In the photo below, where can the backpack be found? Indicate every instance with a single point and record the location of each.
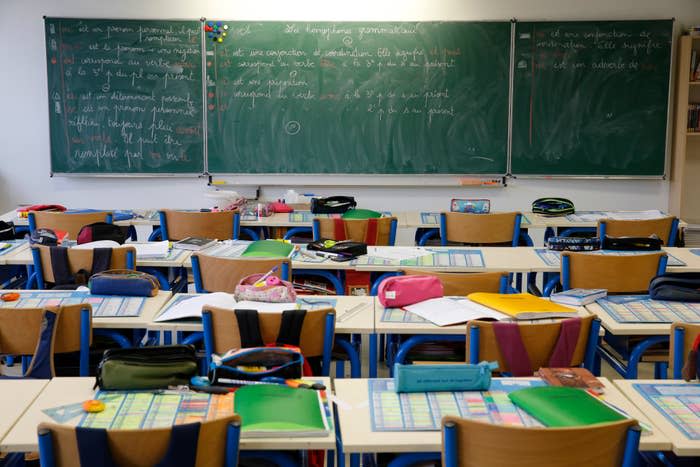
(684, 287)
(64, 280)
(332, 204)
(101, 231)
(45, 237)
(7, 230)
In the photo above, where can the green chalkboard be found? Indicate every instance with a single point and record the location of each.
(365, 98)
(591, 98)
(125, 96)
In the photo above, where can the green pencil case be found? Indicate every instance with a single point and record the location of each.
(437, 378)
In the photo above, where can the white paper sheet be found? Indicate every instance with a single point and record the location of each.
(192, 307)
(635, 215)
(445, 311)
(397, 253)
(265, 307)
(151, 249)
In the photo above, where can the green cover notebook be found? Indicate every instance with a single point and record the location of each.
(562, 406)
(268, 249)
(276, 410)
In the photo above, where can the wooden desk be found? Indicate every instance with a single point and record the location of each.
(352, 396)
(16, 395)
(681, 444)
(63, 391)
(143, 321)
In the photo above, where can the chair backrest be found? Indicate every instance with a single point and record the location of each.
(480, 229)
(71, 223)
(681, 341)
(123, 257)
(20, 330)
(176, 225)
(457, 283)
(215, 274)
(665, 228)
(616, 273)
(474, 443)
(539, 341)
(357, 230)
(216, 444)
(226, 334)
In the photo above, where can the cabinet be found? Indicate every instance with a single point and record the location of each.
(684, 199)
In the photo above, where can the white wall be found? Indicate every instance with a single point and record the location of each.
(24, 135)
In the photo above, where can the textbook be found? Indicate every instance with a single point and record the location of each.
(193, 243)
(558, 406)
(280, 410)
(574, 377)
(578, 297)
(522, 305)
(268, 249)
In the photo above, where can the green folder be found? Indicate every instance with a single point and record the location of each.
(268, 249)
(278, 410)
(563, 406)
(361, 214)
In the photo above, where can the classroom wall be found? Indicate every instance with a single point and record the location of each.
(24, 135)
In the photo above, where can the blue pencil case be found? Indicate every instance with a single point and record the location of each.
(124, 282)
(436, 378)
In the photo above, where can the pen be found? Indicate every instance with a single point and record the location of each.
(265, 276)
(351, 312)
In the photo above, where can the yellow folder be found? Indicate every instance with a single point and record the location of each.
(522, 305)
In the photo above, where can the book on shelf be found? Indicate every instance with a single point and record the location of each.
(522, 305)
(578, 297)
(269, 410)
(575, 377)
(194, 243)
(558, 406)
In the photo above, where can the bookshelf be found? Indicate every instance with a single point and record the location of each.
(684, 197)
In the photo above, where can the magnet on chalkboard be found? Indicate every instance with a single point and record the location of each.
(224, 34)
(225, 26)
(218, 23)
(210, 23)
(220, 39)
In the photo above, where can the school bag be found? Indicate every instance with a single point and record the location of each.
(64, 280)
(101, 231)
(7, 230)
(553, 207)
(332, 204)
(684, 287)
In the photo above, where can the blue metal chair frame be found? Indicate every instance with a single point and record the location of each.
(316, 231)
(39, 274)
(443, 232)
(236, 227)
(31, 219)
(197, 273)
(233, 436)
(328, 331)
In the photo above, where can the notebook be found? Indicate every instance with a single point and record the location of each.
(268, 249)
(279, 410)
(571, 377)
(522, 305)
(558, 406)
(445, 311)
(193, 243)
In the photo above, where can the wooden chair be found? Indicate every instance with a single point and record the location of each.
(453, 284)
(176, 225)
(681, 342)
(666, 228)
(209, 443)
(41, 332)
(221, 332)
(122, 258)
(619, 274)
(494, 229)
(214, 274)
(539, 341)
(468, 443)
(71, 223)
(357, 230)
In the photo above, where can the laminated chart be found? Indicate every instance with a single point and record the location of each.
(103, 306)
(437, 258)
(397, 315)
(642, 309)
(553, 258)
(423, 411)
(12, 245)
(129, 410)
(679, 404)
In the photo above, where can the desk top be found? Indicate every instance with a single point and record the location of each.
(627, 329)
(353, 314)
(63, 391)
(16, 395)
(144, 321)
(352, 400)
(682, 445)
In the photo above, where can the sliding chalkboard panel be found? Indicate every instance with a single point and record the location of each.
(125, 96)
(591, 98)
(390, 98)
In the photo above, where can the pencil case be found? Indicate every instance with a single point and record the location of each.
(400, 291)
(256, 363)
(473, 206)
(124, 282)
(277, 291)
(156, 367)
(436, 378)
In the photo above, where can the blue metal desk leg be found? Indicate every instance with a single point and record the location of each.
(373, 355)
